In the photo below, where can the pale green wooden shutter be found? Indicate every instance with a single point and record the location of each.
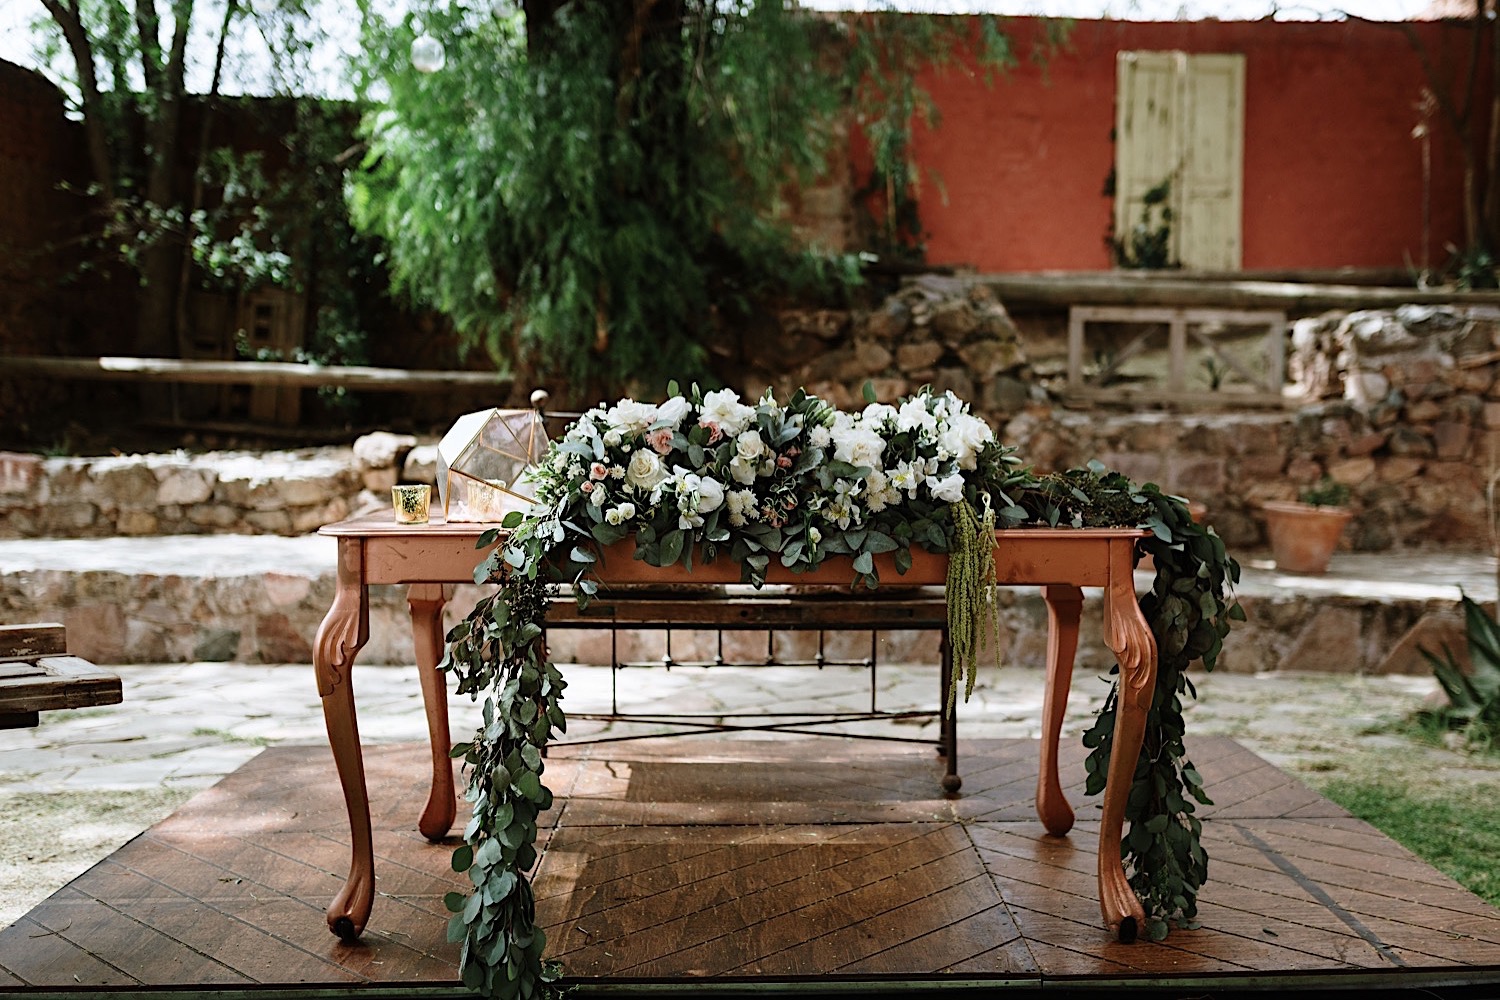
(1181, 117)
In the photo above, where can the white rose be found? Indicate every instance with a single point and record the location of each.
(949, 489)
(631, 418)
(723, 409)
(749, 446)
(913, 415)
(858, 446)
(876, 414)
(672, 411)
(964, 437)
(645, 470)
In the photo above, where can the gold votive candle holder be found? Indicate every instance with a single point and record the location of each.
(411, 503)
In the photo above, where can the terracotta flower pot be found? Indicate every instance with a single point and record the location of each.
(1302, 536)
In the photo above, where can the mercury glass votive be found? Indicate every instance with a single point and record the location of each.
(411, 503)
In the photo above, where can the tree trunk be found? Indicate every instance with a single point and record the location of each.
(156, 334)
(94, 127)
(1492, 160)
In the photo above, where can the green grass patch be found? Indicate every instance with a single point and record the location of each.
(228, 737)
(1454, 827)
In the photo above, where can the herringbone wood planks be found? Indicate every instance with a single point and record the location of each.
(766, 860)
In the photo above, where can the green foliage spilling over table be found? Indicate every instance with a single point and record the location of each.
(704, 476)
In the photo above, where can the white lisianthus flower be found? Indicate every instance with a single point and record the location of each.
(672, 411)
(858, 446)
(696, 495)
(965, 436)
(710, 494)
(750, 454)
(620, 514)
(612, 439)
(819, 437)
(814, 536)
(914, 415)
(631, 418)
(723, 409)
(597, 497)
(907, 476)
(948, 489)
(840, 508)
(645, 471)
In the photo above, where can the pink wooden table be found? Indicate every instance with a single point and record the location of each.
(375, 550)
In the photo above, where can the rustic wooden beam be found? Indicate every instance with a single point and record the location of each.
(27, 642)
(262, 373)
(1142, 289)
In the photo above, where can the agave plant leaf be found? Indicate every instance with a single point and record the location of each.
(1484, 649)
(1462, 695)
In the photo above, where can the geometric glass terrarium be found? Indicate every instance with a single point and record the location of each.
(481, 460)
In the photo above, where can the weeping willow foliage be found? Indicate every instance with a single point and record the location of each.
(592, 190)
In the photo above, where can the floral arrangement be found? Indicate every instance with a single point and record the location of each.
(801, 482)
(702, 476)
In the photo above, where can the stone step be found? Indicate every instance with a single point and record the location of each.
(259, 598)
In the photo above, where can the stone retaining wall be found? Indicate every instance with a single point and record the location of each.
(137, 617)
(1404, 409)
(279, 493)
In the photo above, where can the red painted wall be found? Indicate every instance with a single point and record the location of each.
(1332, 176)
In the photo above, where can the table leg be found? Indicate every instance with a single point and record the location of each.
(426, 601)
(344, 630)
(1129, 636)
(1064, 608)
(948, 736)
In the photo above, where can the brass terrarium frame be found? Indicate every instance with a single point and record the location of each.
(482, 460)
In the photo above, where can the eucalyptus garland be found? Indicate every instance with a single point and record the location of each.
(499, 651)
(704, 475)
(1189, 609)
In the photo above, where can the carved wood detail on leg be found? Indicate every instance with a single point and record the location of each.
(1064, 608)
(1127, 633)
(426, 601)
(341, 635)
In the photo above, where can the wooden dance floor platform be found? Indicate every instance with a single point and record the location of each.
(710, 865)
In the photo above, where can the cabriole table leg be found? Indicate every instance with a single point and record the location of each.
(426, 601)
(1064, 608)
(1128, 635)
(344, 630)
